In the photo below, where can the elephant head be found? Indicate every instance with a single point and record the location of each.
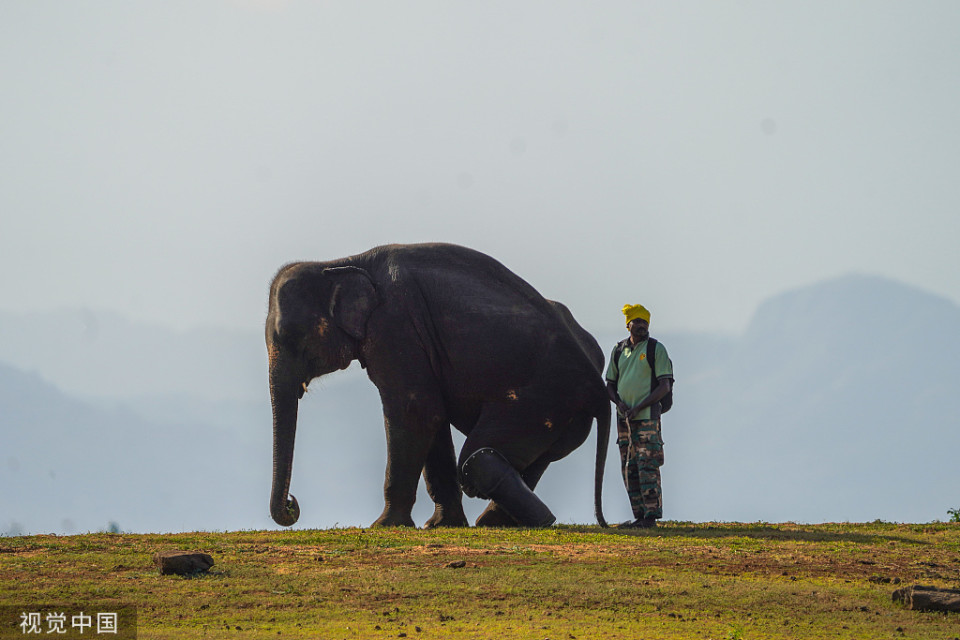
(315, 325)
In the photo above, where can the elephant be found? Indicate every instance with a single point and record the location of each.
(449, 336)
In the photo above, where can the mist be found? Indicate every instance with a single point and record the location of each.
(775, 182)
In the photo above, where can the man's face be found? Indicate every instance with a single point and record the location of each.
(639, 329)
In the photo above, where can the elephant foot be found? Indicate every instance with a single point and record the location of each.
(494, 516)
(447, 517)
(393, 519)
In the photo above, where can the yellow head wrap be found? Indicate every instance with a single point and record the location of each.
(635, 311)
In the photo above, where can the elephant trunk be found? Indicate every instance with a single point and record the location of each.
(283, 507)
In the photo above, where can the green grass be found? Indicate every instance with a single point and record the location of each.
(721, 581)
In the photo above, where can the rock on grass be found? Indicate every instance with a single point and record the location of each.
(182, 563)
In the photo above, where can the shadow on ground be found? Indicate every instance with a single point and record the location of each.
(756, 531)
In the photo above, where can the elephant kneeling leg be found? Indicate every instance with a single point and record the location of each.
(495, 516)
(487, 474)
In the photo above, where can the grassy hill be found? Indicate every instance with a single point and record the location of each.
(721, 581)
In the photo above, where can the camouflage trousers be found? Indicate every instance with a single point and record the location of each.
(641, 456)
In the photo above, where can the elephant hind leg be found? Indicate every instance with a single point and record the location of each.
(488, 474)
(524, 434)
(495, 516)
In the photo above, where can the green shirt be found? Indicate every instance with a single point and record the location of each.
(633, 373)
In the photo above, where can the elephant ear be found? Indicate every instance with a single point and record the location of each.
(353, 298)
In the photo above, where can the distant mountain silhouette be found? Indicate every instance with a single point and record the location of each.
(67, 466)
(99, 354)
(838, 403)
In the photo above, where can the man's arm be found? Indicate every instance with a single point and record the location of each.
(663, 388)
(615, 397)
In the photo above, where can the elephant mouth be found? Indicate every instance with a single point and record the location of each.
(320, 367)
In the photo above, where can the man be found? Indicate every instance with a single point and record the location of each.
(637, 390)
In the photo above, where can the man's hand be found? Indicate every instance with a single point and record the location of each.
(653, 399)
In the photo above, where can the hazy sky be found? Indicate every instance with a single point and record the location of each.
(163, 159)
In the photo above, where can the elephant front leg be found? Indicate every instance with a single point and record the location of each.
(440, 476)
(408, 441)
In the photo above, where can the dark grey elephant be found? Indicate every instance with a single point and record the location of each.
(450, 337)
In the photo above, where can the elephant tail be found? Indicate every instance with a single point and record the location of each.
(603, 440)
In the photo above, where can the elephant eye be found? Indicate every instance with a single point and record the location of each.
(288, 335)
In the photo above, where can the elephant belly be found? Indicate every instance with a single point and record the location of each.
(528, 431)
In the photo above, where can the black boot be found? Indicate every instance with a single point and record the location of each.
(640, 523)
(487, 474)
